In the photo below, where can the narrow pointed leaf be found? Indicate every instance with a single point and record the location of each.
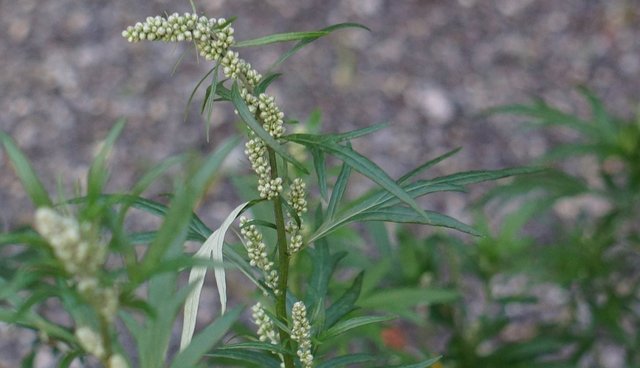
(372, 201)
(400, 214)
(319, 165)
(362, 165)
(281, 37)
(266, 82)
(98, 172)
(346, 303)
(344, 326)
(424, 364)
(298, 46)
(36, 191)
(338, 190)
(413, 173)
(346, 361)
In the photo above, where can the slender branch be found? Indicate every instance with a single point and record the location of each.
(283, 263)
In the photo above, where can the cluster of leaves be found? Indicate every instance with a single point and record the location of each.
(590, 260)
(145, 266)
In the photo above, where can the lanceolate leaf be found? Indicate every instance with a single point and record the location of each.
(406, 215)
(424, 364)
(346, 361)
(281, 37)
(319, 165)
(410, 175)
(266, 82)
(338, 190)
(212, 248)
(25, 172)
(360, 164)
(98, 172)
(344, 326)
(250, 120)
(369, 202)
(307, 41)
(346, 303)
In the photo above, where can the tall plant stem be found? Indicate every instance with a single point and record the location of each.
(283, 262)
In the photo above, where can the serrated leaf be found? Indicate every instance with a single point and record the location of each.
(321, 173)
(424, 364)
(266, 360)
(338, 190)
(250, 120)
(298, 46)
(401, 214)
(212, 248)
(32, 185)
(346, 303)
(427, 165)
(98, 172)
(359, 163)
(346, 360)
(344, 326)
(281, 37)
(372, 201)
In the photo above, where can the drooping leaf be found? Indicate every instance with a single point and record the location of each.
(212, 248)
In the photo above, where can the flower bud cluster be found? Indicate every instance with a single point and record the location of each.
(236, 68)
(212, 37)
(301, 333)
(257, 252)
(297, 201)
(117, 361)
(270, 115)
(266, 328)
(82, 255)
(296, 240)
(68, 240)
(105, 299)
(297, 193)
(256, 151)
(91, 341)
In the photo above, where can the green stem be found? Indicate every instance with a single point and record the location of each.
(283, 263)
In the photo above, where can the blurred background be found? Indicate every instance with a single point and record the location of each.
(428, 67)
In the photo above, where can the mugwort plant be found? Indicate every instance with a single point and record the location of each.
(113, 281)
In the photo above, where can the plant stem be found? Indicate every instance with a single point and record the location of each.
(283, 262)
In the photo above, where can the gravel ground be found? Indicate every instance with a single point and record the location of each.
(428, 68)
